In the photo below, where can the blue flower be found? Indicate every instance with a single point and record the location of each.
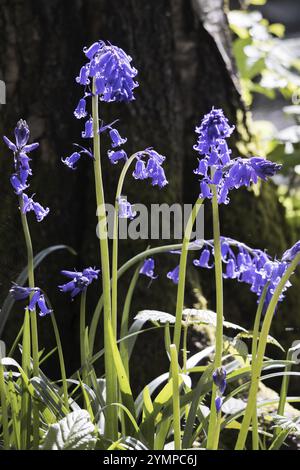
(71, 161)
(79, 280)
(116, 155)
(290, 254)
(88, 132)
(219, 378)
(215, 166)
(174, 275)
(148, 268)
(37, 298)
(116, 139)
(28, 204)
(204, 259)
(111, 67)
(125, 209)
(80, 111)
(212, 131)
(19, 179)
(151, 169)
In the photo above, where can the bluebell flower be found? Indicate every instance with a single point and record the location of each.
(219, 378)
(149, 165)
(71, 161)
(36, 296)
(215, 166)
(203, 261)
(19, 179)
(218, 403)
(111, 67)
(251, 266)
(125, 209)
(28, 204)
(148, 268)
(174, 275)
(79, 280)
(213, 130)
(290, 254)
(88, 132)
(116, 139)
(80, 111)
(117, 155)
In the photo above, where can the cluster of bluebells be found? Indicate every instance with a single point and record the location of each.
(254, 267)
(110, 68)
(36, 298)
(80, 280)
(219, 378)
(215, 166)
(22, 170)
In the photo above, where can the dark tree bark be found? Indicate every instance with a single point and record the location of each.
(182, 51)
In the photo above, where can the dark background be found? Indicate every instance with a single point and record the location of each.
(182, 50)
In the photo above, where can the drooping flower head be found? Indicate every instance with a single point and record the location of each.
(148, 268)
(251, 266)
(80, 280)
(215, 166)
(37, 298)
(22, 170)
(149, 165)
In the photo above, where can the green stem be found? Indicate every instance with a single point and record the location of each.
(25, 417)
(175, 397)
(182, 272)
(125, 321)
(82, 329)
(61, 361)
(4, 410)
(214, 421)
(114, 284)
(111, 422)
(33, 322)
(263, 337)
(255, 438)
(284, 390)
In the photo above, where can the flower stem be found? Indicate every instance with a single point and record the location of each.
(111, 422)
(255, 440)
(82, 334)
(176, 398)
(4, 411)
(182, 272)
(33, 321)
(114, 284)
(214, 418)
(256, 371)
(61, 361)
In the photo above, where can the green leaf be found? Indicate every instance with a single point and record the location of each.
(155, 316)
(207, 317)
(22, 278)
(270, 339)
(74, 432)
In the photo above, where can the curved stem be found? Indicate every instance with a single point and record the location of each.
(111, 422)
(82, 329)
(214, 417)
(182, 272)
(114, 283)
(33, 320)
(263, 337)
